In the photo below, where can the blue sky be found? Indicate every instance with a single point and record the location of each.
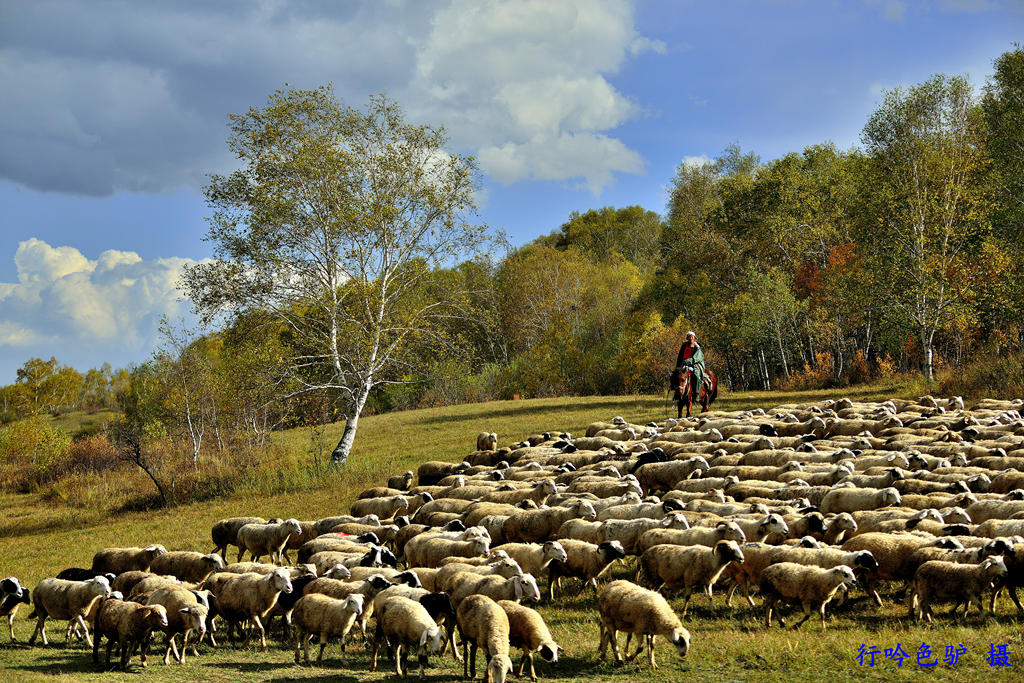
(115, 111)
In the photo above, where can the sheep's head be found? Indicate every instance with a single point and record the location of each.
(526, 587)
(99, 585)
(280, 579)
(888, 496)
(195, 617)
(993, 568)
(554, 552)
(11, 586)
(215, 560)
(156, 616)
(773, 524)
(808, 542)
(611, 551)
(354, 603)
(507, 568)
(430, 640)
(675, 520)
(863, 559)
(338, 571)
(844, 575)
(730, 531)
(681, 639)
(498, 668)
(155, 551)
(549, 651)
(728, 551)
(292, 525)
(584, 510)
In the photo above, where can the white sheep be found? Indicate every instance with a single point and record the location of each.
(584, 561)
(517, 588)
(937, 580)
(385, 507)
(625, 606)
(807, 586)
(326, 617)
(534, 558)
(688, 567)
(187, 565)
(426, 551)
(250, 596)
(854, 499)
(266, 539)
(532, 526)
(66, 600)
(528, 632)
(405, 624)
(185, 614)
(129, 624)
(486, 441)
(118, 560)
(724, 530)
(484, 624)
(225, 532)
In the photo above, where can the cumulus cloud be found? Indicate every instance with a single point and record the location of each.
(113, 303)
(113, 95)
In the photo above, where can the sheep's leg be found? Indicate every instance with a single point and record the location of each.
(1013, 596)
(613, 640)
(807, 615)
(650, 651)
(324, 639)
(184, 646)
(472, 660)
(422, 659)
(10, 625)
(769, 605)
(711, 597)
(123, 650)
(398, 659)
(374, 646)
(167, 649)
(639, 648)
(746, 593)
(96, 649)
(80, 620)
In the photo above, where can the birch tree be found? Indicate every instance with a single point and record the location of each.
(334, 226)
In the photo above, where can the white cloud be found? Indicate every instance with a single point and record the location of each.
(696, 161)
(108, 95)
(113, 303)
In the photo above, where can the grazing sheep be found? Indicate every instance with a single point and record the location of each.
(130, 624)
(584, 561)
(405, 624)
(625, 606)
(854, 499)
(533, 526)
(487, 441)
(688, 567)
(250, 596)
(700, 535)
(323, 526)
(187, 565)
(517, 588)
(527, 630)
(937, 580)
(13, 595)
(484, 624)
(402, 482)
(385, 507)
(426, 551)
(225, 532)
(66, 600)
(503, 568)
(266, 539)
(326, 617)
(117, 560)
(798, 584)
(185, 614)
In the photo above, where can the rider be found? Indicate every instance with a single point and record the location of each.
(691, 357)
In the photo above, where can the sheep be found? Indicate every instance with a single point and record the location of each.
(798, 584)
(515, 588)
(533, 558)
(527, 630)
(251, 596)
(708, 536)
(70, 600)
(484, 624)
(117, 560)
(323, 526)
(893, 553)
(405, 623)
(582, 530)
(655, 510)
(854, 499)
(187, 565)
(384, 508)
(937, 580)
(342, 589)
(402, 482)
(338, 543)
(662, 475)
(532, 526)
(487, 441)
(628, 531)
(584, 561)
(12, 596)
(439, 606)
(185, 614)
(130, 623)
(327, 617)
(266, 539)
(687, 567)
(537, 493)
(294, 571)
(426, 551)
(225, 532)
(433, 471)
(503, 568)
(624, 606)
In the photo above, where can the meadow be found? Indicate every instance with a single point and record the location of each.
(40, 535)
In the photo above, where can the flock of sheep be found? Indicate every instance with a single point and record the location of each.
(803, 503)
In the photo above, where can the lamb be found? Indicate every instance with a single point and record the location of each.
(528, 631)
(799, 584)
(70, 600)
(12, 596)
(327, 617)
(185, 614)
(487, 441)
(937, 580)
(624, 606)
(266, 539)
(426, 551)
(854, 499)
(688, 567)
(251, 596)
(484, 624)
(187, 565)
(402, 482)
(384, 508)
(130, 623)
(117, 560)
(515, 588)
(532, 526)
(709, 536)
(225, 532)
(405, 623)
(533, 558)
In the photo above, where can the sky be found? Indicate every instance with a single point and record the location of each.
(116, 111)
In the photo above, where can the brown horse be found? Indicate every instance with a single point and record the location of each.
(687, 391)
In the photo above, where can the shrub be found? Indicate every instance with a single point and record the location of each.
(32, 452)
(994, 376)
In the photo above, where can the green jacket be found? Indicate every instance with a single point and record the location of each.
(694, 362)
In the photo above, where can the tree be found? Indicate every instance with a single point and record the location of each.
(1003, 106)
(334, 226)
(926, 156)
(46, 385)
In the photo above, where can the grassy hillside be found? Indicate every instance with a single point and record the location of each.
(41, 537)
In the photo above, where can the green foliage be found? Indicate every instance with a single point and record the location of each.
(32, 452)
(1003, 110)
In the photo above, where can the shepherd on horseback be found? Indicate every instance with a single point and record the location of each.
(691, 379)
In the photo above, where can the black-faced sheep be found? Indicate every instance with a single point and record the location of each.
(584, 561)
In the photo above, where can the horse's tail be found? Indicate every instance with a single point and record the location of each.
(714, 388)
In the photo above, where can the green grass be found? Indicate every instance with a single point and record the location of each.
(38, 538)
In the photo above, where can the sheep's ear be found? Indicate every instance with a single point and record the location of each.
(423, 637)
(185, 610)
(518, 583)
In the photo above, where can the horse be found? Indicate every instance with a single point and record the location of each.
(687, 391)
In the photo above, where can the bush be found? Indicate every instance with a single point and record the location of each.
(32, 453)
(994, 377)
